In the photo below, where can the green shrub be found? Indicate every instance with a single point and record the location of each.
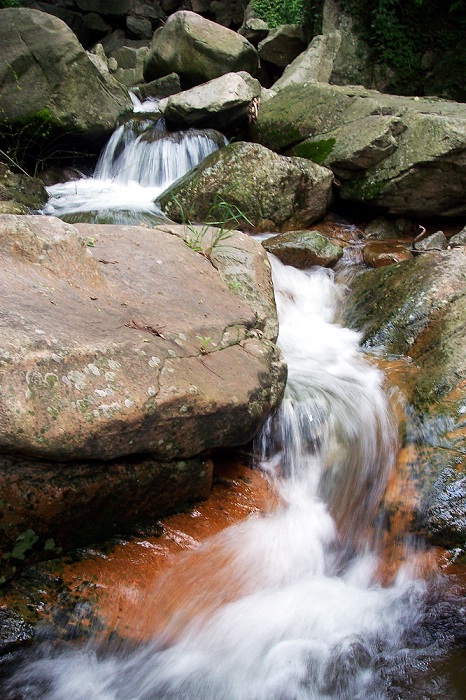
(276, 12)
(401, 32)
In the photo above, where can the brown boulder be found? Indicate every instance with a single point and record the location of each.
(130, 344)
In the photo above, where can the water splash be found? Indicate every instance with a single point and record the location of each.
(140, 161)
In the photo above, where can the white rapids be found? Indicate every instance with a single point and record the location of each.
(139, 162)
(309, 618)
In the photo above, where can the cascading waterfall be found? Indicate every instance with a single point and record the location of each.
(287, 605)
(138, 163)
(290, 604)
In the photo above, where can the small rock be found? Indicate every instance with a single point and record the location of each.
(381, 253)
(303, 249)
(458, 238)
(436, 241)
(381, 229)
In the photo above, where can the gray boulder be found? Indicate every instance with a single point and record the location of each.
(459, 238)
(48, 81)
(315, 63)
(436, 241)
(157, 89)
(282, 45)
(353, 63)
(271, 192)
(404, 155)
(221, 103)
(198, 50)
(130, 64)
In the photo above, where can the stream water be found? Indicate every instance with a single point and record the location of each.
(292, 604)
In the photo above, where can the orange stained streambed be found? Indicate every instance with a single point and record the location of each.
(158, 585)
(127, 585)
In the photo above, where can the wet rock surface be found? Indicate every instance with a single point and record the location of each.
(416, 309)
(304, 249)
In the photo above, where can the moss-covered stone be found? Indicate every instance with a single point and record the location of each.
(303, 249)
(317, 151)
(417, 309)
(269, 192)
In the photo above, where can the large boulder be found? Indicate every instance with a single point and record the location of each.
(48, 84)
(198, 50)
(315, 63)
(269, 192)
(123, 354)
(417, 309)
(405, 155)
(222, 103)
(353, 63)
(135, 347)
(282, 45)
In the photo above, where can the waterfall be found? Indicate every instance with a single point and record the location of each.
(287, 605)
(140, 161)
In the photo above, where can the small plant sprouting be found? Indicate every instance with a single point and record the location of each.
(90, 242)
(219, 224)
(235, 284)
(205, 340)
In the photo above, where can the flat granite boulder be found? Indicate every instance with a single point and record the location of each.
(120, 340)
(404, 155)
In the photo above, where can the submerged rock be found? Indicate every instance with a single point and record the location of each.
(270, 192)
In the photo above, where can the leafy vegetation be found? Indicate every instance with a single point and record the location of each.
(419, 42)
(276, 12)
(10, 3)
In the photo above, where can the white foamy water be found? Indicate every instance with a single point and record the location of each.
(139, 162)
(306, 617)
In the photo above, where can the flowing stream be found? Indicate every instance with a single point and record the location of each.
(292, 604)
(138, 163)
